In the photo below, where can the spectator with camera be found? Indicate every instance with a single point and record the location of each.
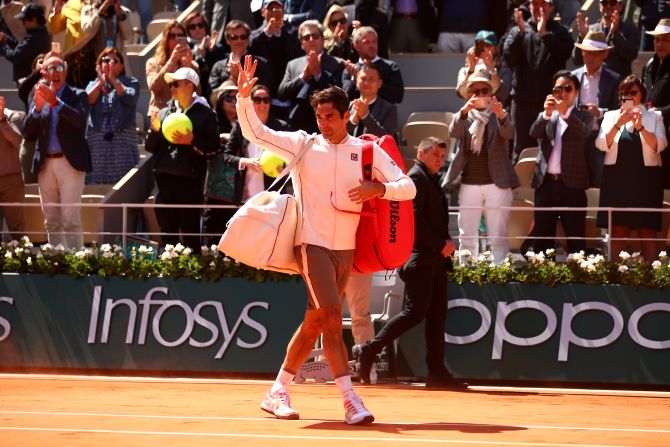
(484, 56)
(172, 53)
(484, 130)
(632, 139)
(562, 175)
(205, 47)
(111, 128)
(337, 35)
(36, 41)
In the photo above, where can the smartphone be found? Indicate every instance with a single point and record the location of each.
(627, 105)
(55, 47)
(182, 40)
(479, 48)
(483, 103)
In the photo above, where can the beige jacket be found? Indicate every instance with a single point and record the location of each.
(652, 121)
(10, 139)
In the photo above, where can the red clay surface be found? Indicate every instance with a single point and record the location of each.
(55, 411)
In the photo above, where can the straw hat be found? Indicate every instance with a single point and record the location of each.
(481, 75)
(226, 86)
(594, 41)
(663, 27)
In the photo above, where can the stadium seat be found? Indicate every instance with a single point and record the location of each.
(592, 200)
(165, 15)
(155, 28)
(524, 194)
(525, 169)
(441, 117)
(529, 152)
(415, 131)
(520, 224)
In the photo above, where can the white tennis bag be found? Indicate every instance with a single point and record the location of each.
(261, 234)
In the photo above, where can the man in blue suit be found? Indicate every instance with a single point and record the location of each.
(598, 93)
(57, 120)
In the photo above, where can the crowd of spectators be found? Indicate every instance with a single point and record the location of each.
(81, 102)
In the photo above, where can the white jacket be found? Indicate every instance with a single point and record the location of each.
(323, 178)
(652, 121)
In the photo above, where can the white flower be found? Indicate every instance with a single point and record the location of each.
(59, 248)
(465, 253)
(599, 259)
(166, 255)
(25, 240)
(204, 249)
(18, 251)
(143, 250)
(636, 254)
(530, 254)
(80, 254)
(121, 255)
(656, 265)
(584, 264)
(29, 261)
(169, 248)
(624, 255)
(104, 248)
(214, 248)
(178, 248)
(28, 244)
(9, 255)
(212, 264)
(481, 258)
(39, 256)
(622, 269)
(187, 251)
(591, 268)
(662, 255)
(550, 251)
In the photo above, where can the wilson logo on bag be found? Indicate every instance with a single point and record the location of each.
(385, 234)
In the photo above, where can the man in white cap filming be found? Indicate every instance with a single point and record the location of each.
(181, 155)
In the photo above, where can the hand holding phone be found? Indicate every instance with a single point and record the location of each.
(627, 104)
(483, 102)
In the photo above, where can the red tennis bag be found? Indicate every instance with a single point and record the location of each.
(385, 234)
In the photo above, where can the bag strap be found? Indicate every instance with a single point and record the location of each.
(294, 161)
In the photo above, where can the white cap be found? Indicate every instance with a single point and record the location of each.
(183, 74)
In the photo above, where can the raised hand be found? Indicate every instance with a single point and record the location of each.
(518, 18)
(549, 105)
(246, 79)
(542, 23)
(616, 19)
(582, 24)
(497, 108)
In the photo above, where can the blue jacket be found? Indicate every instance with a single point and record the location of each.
(122, 114)
(71, 131)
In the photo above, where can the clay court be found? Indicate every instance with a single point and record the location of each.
(55, 411)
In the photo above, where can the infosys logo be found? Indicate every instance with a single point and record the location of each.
(152, 310)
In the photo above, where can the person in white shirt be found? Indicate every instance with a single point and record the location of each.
(328, 184)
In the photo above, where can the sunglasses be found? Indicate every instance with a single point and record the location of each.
(195, 26)
(310, 36)
(107, 60)
(58, 68)
(175, 35)
(562, 88)
(335, 22)
(174, 84)
(230, 98)
(261, 99)
(235, 37)
(481, 91)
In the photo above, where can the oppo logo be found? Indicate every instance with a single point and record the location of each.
(219, 329)
(567, 337)
(5, 326)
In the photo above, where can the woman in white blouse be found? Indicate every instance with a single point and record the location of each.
(632, 138)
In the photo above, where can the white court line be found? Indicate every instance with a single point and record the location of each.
(640, 393)
(319, 438)
(271, 420)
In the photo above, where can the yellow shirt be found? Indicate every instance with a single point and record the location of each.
(69, 20)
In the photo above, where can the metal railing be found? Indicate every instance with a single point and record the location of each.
(125, 209)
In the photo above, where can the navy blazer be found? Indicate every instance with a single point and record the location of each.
(574, 169)
(71, 131)
(382, 120)
(608, 88)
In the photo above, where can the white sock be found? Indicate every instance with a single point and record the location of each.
(344, 385)
(283, 380)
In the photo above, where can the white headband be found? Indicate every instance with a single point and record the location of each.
(595, 43)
